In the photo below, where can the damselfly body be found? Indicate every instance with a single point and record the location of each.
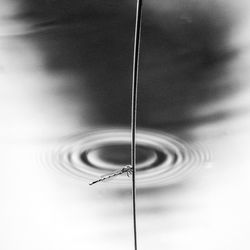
(127, 169)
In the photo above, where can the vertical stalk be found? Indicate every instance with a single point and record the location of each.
(134, 109)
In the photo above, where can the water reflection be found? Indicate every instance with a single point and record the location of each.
(184, 64)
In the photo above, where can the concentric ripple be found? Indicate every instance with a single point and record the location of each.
(161, 158)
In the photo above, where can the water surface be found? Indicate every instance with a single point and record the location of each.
(65, 114)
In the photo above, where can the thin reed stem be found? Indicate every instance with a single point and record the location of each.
(134, 110)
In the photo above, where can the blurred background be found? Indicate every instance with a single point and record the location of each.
(66, 72)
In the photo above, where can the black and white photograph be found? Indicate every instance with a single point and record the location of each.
(124, 125)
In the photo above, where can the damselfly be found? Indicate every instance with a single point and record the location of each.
(127, 169)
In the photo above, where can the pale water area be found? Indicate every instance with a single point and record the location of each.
(65, 82)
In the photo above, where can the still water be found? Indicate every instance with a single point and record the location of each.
(65, 83)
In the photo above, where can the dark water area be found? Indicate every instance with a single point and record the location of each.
(184, 64)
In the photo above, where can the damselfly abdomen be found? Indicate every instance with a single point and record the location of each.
(127, 169)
